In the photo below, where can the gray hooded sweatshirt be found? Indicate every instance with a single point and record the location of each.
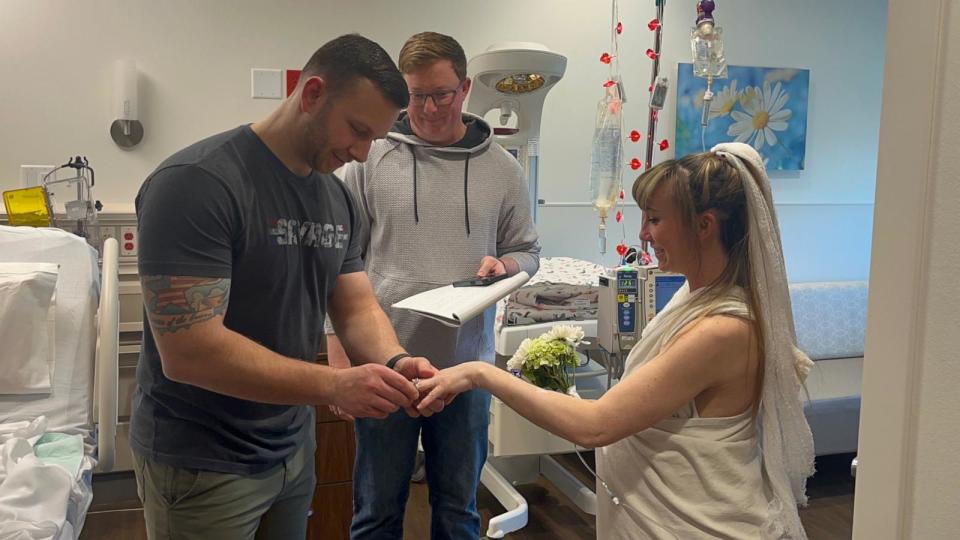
(429, 215)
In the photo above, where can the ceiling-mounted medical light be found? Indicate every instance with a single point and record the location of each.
(514, 78)
(520, 83)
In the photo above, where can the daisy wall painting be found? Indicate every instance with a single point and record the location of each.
(763, 107)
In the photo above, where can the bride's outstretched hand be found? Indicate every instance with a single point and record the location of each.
(444, 386)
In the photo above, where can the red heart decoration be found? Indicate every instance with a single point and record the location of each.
(635, 164)
(619, 216)
(619, 27)
(635, 135)
(608, 84)
(651, 54)
(664, 145)
(605, 58)
(621, 249)
(621, 194)
(653, 24)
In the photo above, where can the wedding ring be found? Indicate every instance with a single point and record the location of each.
(416, 383)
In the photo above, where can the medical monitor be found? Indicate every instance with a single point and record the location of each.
(658, 288)
(618, 320)
(629, 298)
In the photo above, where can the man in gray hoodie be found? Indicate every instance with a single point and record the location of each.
(439, 201)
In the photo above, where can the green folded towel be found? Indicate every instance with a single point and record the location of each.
(61, 449)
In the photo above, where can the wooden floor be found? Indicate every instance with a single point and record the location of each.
(552, 516)
(829, 515)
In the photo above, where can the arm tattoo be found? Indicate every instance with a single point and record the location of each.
(178, 302)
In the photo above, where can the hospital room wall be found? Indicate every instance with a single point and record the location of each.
(825, 210)
(908, 479)
(195, 59)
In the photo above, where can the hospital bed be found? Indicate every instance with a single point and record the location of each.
(46, 489)
(564, 291)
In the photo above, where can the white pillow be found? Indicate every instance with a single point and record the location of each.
(27, 331)
(69, 406)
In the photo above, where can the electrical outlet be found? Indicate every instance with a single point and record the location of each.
(108, 232)
(128, 241)
(266, 84)
(30, 175)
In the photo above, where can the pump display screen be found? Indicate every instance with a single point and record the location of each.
(666, 287)
(627, 283)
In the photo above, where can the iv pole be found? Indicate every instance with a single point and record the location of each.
(652, 121)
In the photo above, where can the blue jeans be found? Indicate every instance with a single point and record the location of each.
(455, 448)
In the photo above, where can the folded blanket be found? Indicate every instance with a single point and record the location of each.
(557, 288)
(546, 302)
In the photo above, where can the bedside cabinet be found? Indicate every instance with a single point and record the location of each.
(332, 507)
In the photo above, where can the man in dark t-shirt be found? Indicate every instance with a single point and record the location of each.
(246, 243)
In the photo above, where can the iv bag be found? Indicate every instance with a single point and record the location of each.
(606, 158)
(706, 43)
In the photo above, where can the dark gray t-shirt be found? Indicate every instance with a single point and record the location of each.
(227, 207)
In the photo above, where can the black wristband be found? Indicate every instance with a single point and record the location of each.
(391, 363)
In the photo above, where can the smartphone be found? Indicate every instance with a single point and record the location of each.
(479, 281)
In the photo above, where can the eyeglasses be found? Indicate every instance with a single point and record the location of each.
(441, 98)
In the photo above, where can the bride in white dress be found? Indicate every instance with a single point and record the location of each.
(704, 436)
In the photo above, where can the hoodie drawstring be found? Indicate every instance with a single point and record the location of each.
(466, 202)
(416, 213)
(466, 198)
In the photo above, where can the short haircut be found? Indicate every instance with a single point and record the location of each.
(341, 61)
(428, 47)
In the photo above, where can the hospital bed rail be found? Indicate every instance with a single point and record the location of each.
(107, 357)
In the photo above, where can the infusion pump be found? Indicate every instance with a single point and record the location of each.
(630, 296)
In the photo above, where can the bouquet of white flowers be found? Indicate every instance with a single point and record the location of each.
(543, 360)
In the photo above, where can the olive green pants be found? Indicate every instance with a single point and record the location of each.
(190, 504)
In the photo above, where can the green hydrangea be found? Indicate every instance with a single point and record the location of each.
(546, 361)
